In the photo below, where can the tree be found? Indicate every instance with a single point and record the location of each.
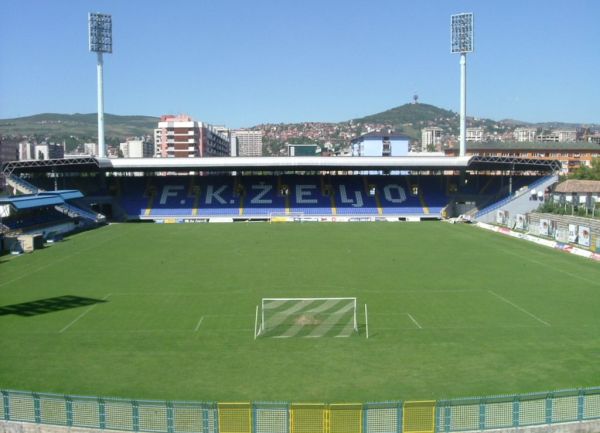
(588, 173)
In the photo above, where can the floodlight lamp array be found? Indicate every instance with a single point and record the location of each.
(462, 33)
(100, 26)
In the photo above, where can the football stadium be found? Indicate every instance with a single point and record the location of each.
(203, 292)
(313, 295)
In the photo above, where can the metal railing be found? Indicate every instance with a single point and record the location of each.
(443, 416)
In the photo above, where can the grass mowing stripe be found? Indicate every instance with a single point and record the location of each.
(519, 308)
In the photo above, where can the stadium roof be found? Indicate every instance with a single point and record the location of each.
(65, 194)
(419, 162)
(23, 202)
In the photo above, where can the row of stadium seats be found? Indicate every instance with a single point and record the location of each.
(261, 196)
(35, 218)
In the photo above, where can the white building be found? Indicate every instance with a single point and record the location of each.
(383, 143)
(26, 151)
(136, 149)
(90, 149)
(182, 137)
(249, 143)
(524, 134)
(566, 135)
(431, 137)
(475, 134)
(559, 136)
(49, 151)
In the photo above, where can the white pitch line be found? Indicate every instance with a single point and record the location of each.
(414, 321)
(199, 323)
(81, 315)
(519, 308)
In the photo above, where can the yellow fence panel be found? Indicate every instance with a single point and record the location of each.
(235, 418)
(308, 418)
(418, 417)
(345, 418)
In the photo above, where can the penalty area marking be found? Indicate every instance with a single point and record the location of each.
(199, 323)
(81, 315)
(414, 321)
(519, 308)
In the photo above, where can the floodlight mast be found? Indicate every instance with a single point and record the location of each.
(461, 26)
(100, 28)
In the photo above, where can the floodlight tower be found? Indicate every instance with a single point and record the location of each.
(100, 26)
(462, 42)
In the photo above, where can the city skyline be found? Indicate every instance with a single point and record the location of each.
(240, 65)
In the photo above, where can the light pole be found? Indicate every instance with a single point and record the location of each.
(461, 26)
(100, 26)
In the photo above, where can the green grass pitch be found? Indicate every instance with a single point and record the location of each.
(167, 312)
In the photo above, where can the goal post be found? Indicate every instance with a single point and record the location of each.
(307, 317)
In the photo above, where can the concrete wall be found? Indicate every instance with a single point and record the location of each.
(574, 427)
(562, 224)
(26, 427)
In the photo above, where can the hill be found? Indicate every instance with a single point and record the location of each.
(410, 114)
(80, 125)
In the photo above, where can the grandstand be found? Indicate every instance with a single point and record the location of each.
(314, 188)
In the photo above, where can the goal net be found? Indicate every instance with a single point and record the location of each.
(283, 217)
(306, 317)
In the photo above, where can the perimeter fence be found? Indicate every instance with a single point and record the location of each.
(458, 415)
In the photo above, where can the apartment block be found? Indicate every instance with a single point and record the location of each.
(249, 143)
(431, 137)
(182, 137)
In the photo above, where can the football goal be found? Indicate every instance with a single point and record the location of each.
(306, 317)
(283, 217)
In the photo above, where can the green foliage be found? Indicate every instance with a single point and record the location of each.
(157, 284)
(568, 209)
(588, 173)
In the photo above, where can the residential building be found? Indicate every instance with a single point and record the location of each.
(249, 143)
(524, 134)
(475, 134)
(384, 143)
(182, 137)
(228, 133)
(566, 136)
(571, 154)
(559, 136)
(136, 148)
(431, 138)
(49, 151)
(90, 149)
(26, 151)
(9, 151)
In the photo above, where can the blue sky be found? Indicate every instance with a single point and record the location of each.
(241, 62)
